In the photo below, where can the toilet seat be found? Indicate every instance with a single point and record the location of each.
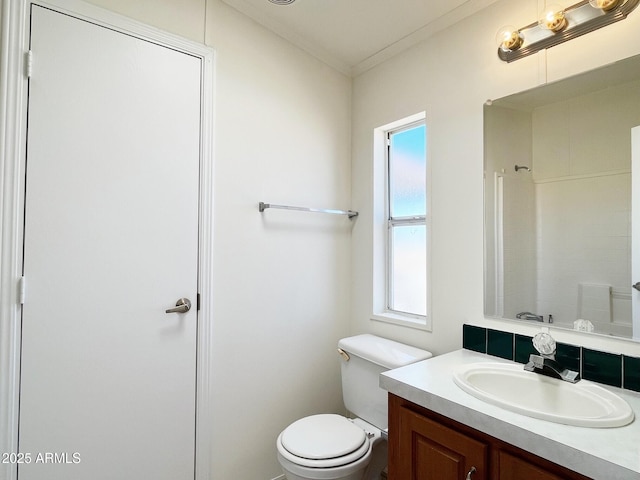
(323, 441)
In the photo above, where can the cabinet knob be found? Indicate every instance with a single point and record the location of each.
(471, 472)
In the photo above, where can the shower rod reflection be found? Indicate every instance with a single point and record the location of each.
(522, 167)
(350, 213)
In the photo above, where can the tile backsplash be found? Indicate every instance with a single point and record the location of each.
(602, 367)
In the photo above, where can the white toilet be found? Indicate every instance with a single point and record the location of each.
(333, 447)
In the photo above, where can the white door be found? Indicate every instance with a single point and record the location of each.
(635, 229)
(111, 241)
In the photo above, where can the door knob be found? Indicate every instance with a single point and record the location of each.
(636, 285)
(182, 306)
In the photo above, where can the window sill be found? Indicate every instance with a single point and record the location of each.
(403, 320)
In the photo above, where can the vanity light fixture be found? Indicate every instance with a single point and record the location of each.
(605, 5)
(553, 18)
(509, 38)
(557, 25)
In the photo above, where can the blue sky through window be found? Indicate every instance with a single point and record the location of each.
(408, 172)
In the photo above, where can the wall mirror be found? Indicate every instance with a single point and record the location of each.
(560, 230)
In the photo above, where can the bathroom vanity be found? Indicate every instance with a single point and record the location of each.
(436, 427)
(422, 441)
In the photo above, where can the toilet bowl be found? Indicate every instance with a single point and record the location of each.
(328, 447)
(333, 447)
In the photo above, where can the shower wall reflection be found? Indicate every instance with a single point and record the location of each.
(558, 237)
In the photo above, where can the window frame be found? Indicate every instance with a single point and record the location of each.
(384, 226)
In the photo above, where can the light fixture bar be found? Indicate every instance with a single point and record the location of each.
(582, 18)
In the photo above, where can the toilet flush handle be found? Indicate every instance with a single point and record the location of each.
(344, 355)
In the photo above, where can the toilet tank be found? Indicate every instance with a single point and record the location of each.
(369, 356)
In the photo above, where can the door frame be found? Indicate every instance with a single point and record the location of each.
(14, 41)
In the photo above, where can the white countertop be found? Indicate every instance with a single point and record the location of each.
(598, 453)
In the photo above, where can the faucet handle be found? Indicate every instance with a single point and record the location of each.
(544, 343)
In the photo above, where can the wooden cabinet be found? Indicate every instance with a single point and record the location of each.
(512, 467)
(426, 446)
(432, 451)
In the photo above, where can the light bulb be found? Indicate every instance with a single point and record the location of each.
(553, 18)
(509, 38)
(605, 5)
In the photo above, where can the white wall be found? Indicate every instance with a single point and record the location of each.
(282, 135)
(282, 281)
(450, 76)
(185, 17)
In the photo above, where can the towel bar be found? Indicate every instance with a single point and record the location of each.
(350, 213)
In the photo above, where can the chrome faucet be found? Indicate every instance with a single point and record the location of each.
(545, 363)
(530, 316)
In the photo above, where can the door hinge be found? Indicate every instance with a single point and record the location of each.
(28, 63)
(197, 302)
(21, 290)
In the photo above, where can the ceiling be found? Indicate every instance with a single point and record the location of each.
(355, 35)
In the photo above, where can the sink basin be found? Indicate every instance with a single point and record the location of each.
(583, 404)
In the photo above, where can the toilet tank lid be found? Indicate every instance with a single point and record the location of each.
(382, 351)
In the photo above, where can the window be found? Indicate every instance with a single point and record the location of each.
(401, 223)
(407, 227)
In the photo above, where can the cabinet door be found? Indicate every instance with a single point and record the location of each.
(514, 468)
(436, 452)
